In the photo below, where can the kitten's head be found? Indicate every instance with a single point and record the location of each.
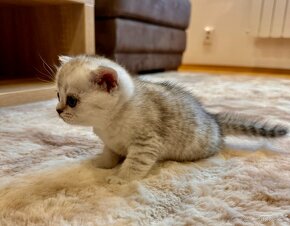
(90, 88)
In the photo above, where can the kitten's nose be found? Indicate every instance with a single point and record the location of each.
(59, 111)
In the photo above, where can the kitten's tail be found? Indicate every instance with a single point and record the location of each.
(235, 124)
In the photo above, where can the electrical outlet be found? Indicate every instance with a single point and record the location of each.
(208, 35)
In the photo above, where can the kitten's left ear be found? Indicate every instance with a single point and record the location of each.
(105, 77)
(64, 59)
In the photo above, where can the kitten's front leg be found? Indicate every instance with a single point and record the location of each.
(137, 164)
(108, 159)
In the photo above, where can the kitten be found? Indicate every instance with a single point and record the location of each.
(143, 121)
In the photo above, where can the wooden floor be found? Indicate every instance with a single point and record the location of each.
(16, 92)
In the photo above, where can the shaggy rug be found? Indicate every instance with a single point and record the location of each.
(47, 178)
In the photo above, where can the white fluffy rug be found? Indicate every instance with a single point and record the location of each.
(46, 177)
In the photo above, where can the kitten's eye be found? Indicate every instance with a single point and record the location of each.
(58, 96)
(71, 101)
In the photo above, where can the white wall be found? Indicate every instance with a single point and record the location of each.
(232, 44)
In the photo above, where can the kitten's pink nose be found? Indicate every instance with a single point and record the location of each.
(59, 111)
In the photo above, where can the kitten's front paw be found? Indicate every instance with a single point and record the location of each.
(115, 180)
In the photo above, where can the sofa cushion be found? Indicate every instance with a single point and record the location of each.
(124, 36)
(173, 13)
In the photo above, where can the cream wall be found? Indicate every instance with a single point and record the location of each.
(232, 43)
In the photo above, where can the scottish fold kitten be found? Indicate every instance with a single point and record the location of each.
(143, 121)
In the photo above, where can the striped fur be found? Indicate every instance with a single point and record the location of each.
(235, 124)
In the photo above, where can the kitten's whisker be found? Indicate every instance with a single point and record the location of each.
(41, 72)
(48, 69)
(49, 72)
(45, 65)
(43, 80)
(46, 78)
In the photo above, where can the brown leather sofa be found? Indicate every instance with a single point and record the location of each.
(142, 35)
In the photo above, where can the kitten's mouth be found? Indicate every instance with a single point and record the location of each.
(67, 117)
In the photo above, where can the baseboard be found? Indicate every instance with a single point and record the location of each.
(231, 69)
(16, 92)
(26, 96)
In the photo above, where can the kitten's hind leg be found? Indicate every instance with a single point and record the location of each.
(107, 159)
(137, 164)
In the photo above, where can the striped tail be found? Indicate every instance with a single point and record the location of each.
(235, 124)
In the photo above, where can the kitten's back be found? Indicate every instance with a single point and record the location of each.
(187, 131)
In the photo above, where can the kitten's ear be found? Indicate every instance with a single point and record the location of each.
(106, 78)
(64, 59)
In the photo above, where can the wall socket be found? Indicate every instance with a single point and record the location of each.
(208, 35)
